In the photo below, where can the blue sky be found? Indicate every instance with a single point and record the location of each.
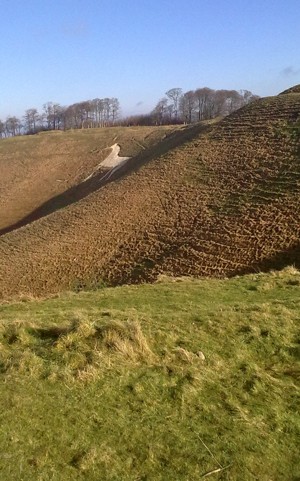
(66, 51)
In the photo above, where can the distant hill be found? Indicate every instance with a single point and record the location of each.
(208, 200)
(38, 168)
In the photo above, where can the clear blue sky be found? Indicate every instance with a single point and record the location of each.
(66, 51)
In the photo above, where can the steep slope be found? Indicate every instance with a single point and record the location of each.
(293, 90)
(36, 168)
(218, 201)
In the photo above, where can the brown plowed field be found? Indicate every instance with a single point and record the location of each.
(211, 200)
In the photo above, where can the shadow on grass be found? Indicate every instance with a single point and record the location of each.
(288, 257)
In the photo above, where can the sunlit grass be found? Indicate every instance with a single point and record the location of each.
(181, 380)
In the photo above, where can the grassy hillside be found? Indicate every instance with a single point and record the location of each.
(212, 200)
(182, 380)
(37, 168)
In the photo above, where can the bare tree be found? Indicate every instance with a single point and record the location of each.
(248, 96)
(203, 100)
(2, 129)
(83, 112)
(48, 114)
(220, 107)
(13, 126)
(187, 102)
(97, 108)
(233, 102)
(31, 119)
(107, 112)
(160, 111)
(101, 107)
(174, 95)
(115, 109)
(53, 115)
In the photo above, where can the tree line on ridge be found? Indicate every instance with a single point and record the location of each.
(86, 114)
(193, 106)
(176, 107)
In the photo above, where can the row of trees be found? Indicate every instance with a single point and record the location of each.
(175, 107)
(87, 114)
(195, 105)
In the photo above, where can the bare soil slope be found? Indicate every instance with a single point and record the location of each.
(36, 168)
(209, 200)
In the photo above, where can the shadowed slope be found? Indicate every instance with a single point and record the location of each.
(38, 168)
(224, 202)
(100, 177)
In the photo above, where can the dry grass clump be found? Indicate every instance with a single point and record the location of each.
(79, 349)
(187, 356)
(287, 271)
(126, 339)
(82, 349)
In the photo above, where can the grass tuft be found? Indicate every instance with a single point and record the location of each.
(176, 380)
(81, 345)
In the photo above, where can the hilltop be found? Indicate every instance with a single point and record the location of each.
(292, 90)
(208, 200)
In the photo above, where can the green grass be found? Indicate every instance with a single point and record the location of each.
(180, 380)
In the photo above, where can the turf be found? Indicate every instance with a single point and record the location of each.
(184, 379)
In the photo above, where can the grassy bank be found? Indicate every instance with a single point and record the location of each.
(185, 380)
